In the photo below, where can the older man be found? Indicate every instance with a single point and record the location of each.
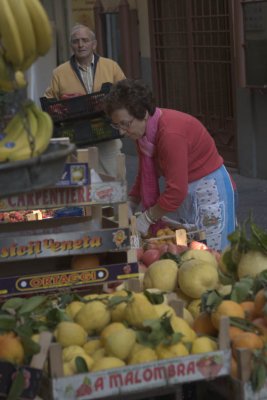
(83, 73)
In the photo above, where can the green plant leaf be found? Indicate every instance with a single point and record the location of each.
(13, 304)
(55, 316)
(242, 290)
(154, 298)
(31, 304)
(113, 301)
(17, 386)
(30, 347)
(7, 322)
(258, 376)
(81, 365)
(170, 256)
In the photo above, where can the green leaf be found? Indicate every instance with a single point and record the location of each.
(13, 304)
(154, 298)
(17, 386)
(176, 337)
(210, 300)
(260, 237)
(7, 322)
(25, 329)
(81, 365)
(30, 346)
(241, 290)
(170, 256)
(114, 301)
(244, 324)
(55, 316)
(258, 376)
(31, 304)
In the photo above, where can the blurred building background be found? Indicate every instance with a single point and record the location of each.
(204, 57)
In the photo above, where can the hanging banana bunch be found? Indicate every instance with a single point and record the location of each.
(25, 34)
(26, 135)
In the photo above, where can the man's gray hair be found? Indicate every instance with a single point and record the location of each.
(77, 27)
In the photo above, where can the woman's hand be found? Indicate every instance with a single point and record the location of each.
(142, 224)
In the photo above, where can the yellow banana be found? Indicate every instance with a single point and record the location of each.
(18, 82)
(11, 139)
(28, 62)
(41, 25)
(25, 28)
(9, 33)
(19, 139)
(32, 123)
(44, 130)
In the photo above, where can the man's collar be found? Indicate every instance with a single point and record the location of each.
(85, 67)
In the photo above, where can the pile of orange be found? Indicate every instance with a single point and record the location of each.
(242, 336)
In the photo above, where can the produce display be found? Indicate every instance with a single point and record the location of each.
(212, 285)
(184, 290)
(25, 34)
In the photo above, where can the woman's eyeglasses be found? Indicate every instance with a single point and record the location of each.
(122, 125)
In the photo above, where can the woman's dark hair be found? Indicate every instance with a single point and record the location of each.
(133, 95)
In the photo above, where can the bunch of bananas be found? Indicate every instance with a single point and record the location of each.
(25, 34)
(27, 134)
(9, 79)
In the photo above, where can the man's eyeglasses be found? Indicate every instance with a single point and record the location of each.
(122, 125)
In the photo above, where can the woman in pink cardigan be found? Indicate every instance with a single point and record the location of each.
(178, 147)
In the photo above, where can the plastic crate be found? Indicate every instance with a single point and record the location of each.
(75, 107)
(87, 131)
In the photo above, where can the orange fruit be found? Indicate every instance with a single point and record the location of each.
(246, 340)
(227, 308)
(234, 331)
(202, 325)
(249, 308)
(259, 303)
(85, 261)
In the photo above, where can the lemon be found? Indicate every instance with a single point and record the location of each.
(194, 307)
(70, 352)
(69, 333)
(181, 326)
(163, 308)
(202, 255)
(161, 274)
(69, 355)
(118, 312)
(203, 344)
(143, 356)
(187, 316)
(175, 350)
(96, 296)
(251, 263)
(196, 277)
(67, 369)
(136, 347)
(72, 308)
(109, 329)
(93, 317)
(91, 346)
(99, 353)
(139, 310)
(36, 337)
(120, 344)
(107, 363)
